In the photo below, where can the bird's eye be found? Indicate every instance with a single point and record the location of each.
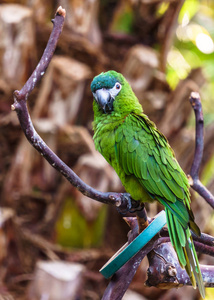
(118, 86)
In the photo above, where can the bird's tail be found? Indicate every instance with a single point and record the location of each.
(182, 241)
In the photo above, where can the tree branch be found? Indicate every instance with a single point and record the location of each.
(165, 271)
(123, 277)
(199, 147)
(122, 201)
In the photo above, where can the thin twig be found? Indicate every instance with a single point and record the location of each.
(199, 147)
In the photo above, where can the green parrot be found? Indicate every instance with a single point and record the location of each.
(145, 162)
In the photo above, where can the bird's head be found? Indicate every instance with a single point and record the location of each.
(112, 93)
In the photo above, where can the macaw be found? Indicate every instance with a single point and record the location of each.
(145, 163)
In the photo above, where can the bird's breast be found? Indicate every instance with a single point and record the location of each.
(105, 143)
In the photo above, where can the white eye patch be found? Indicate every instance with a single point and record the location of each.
(115, 90)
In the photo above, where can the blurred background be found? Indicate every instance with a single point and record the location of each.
(54, 240)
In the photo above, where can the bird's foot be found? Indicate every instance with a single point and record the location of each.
(128, 205)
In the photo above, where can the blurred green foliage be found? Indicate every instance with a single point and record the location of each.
(193, 44)
(73, 230)
(123, 20)
(194, 47)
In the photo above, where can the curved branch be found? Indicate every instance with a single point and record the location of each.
(123, 277)
(165, 271)
(199, 147)
(121, 200)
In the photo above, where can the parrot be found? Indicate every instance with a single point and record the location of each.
(145, 163)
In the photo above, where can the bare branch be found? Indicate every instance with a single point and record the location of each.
(123, 277)
(205, 239)
(120, 200)
(199, 147)
(165, 271)
(205, 249)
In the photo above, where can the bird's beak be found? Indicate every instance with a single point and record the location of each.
(104, 99)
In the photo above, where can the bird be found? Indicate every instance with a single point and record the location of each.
(145, 163)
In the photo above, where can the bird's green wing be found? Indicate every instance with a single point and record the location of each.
(144, 152)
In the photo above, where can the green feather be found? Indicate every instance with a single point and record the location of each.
(118, 134)
(193, 259)
(133, 145)
(163, 157)
(123, 147)
(177, 208)
(137, 169)
(181, 236)
(177, 177)
(141, 153)
(150, 186)
(178, 247)
(171, 160)
(143, 171)
(165, 192)
(175, 188)
(156, 156)
(165, 171)
(130, 161)
(123, 158)
(152, 168)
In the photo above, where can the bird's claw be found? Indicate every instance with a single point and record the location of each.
(128, 205)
